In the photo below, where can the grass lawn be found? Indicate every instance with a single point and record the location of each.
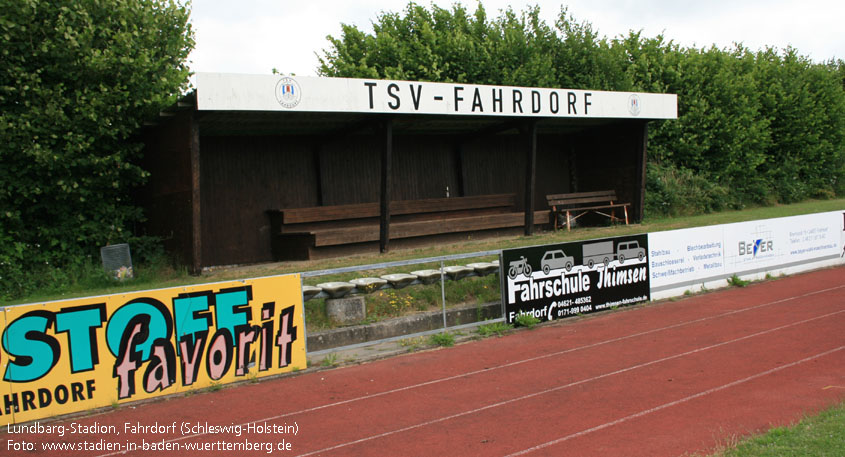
(818, 436)
(161, 276)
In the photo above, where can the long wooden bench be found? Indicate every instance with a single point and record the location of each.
(575, 205)
(298, 231)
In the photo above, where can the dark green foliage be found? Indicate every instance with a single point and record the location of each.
(454, 46)
(497, 328)
(77, 79)
(526, 320)
(719, 133)
(736, 281)
(804, 105)
(753, 128)
(681, 192)
(444, 339)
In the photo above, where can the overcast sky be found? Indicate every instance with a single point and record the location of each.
(255, 36)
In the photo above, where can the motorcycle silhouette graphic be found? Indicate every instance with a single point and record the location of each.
(517, 267)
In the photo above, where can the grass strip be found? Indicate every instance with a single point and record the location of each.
(822, 435)
(161, 275)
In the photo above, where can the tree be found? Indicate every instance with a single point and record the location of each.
(77, 80)
(721, 132)
(805, 105)
(437, 45)
(453, 46)
(751, 128)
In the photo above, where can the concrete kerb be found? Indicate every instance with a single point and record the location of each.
(390, 347)
(401, 327)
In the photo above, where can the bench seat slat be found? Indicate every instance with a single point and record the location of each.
(599, 193)
(400, 230)
(367, 233)
(578, 201)
(588, 208)
(400, 207)
(304, 232)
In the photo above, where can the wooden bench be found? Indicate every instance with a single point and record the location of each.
(581, 203)
(297, 232)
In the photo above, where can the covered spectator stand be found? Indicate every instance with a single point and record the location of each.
(250, 169)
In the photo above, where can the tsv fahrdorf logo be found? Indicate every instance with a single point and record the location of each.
(288, 92)
(634, 104)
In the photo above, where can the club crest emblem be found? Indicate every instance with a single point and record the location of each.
(288, 92)
(634, 104)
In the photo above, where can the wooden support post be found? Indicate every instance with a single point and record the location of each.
(386, 183)
(196, 219)
(317, 152)
(530, 175)
(458, 154)
(642, 160)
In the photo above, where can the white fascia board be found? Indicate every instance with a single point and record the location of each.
(237, 92)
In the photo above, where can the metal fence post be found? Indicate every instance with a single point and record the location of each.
(502, 283)
(443, 292)
(304, 323)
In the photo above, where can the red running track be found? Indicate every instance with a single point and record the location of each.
(667, 379)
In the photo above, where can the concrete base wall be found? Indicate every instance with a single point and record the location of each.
(406, 325)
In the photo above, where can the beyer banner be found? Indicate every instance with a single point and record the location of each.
(561, 280)
(75, 355)
(689, 259)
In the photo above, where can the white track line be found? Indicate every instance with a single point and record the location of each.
(518, 362)
(673, 403)
(576, 383)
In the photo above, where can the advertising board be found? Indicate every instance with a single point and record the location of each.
(703, 257)
(75, 355)
(763, 244)
(689, 256)
(561, 280)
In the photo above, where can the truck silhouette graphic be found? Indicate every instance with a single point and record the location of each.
(603, 252)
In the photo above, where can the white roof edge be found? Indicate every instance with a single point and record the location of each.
(241, 92)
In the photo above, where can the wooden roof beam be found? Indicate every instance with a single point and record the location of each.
(489, 131)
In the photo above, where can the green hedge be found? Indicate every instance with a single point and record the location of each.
(754, 127)
(77, 80)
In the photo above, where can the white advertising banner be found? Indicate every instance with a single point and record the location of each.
(704, 257)
(684, 256)
(842, 237)
(237, 92)
(781, 242)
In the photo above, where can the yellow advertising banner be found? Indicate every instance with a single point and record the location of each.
(75, 355)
